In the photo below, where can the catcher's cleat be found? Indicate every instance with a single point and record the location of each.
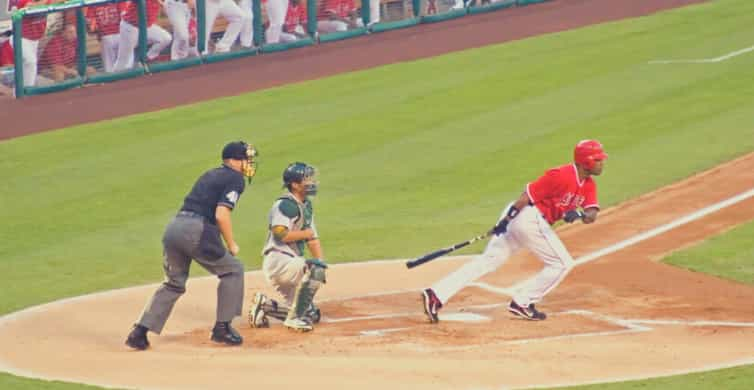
(432, 305)
(529, 312)
(137, 339)
(257, 316)
(225, 334)
(298, 324)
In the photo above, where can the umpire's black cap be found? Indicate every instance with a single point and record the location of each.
(236, 151)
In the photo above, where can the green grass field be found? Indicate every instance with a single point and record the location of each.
(417, 149)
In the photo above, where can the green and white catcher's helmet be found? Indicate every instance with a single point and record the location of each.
(299, 172)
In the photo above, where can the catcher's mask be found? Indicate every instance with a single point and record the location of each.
(301, 172)
(245, 152)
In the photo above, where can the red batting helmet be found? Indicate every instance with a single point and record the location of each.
(587, 152)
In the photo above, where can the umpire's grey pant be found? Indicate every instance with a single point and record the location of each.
(184, 240)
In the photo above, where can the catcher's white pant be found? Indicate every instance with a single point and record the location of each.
(108, 51)
(276, 10)
(284, 273)
(179, 15)
(235, 17)
(29, 53)
(528, 230)
(129, 39)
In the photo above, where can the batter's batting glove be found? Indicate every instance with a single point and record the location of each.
(501, 227)
(572, 215)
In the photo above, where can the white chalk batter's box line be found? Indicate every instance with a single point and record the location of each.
(630, 326)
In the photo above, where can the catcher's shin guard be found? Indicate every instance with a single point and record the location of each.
(307, 288)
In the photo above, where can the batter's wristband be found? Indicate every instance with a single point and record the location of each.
(512, 212)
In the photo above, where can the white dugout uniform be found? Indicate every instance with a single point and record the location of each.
(284, 264)
(240, 22)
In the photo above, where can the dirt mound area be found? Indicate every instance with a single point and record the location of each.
(618, 316)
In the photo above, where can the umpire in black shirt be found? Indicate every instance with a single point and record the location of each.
(195, 234)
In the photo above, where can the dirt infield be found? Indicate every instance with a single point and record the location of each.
(166, 90)
(620, 316)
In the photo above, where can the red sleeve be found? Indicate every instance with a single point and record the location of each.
(6, 54)
(542, 187)
(52, 54)
(590, 195)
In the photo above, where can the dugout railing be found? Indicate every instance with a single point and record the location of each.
(76, 46)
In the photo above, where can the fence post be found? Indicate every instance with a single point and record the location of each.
(366, 11)
(142, 13)
(81, 38)
(201, 26)
(18, 60)
(311, 13)
(417, 6)
(256, 9)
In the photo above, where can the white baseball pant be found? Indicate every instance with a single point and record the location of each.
(179, 15)
(109, 51)
(129, 39)
(284, 273)
(276, 10)
(247, 28)
(232, 13)
(374, 11)
(29, 53)
(528, 230)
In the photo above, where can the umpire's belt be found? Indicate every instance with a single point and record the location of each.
(191, 214)
(265, 253)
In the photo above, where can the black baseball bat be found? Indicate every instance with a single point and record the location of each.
(442, 252)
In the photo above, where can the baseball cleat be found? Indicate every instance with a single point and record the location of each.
(137, 339)
(257, 316)
(432, 305)
(225, 334)
(526, 312)
(298, 324)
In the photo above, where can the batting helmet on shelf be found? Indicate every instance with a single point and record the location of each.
(587, 152)
(298, 172)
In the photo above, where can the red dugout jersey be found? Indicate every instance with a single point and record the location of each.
(105, 18)
(560, 190)
(60, 51)
(33, 27)
(131, 12)
(6, 54)
(296, 15)
(342, 8)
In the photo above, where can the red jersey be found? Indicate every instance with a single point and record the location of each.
(560, 190)
(33, 28)
(296, 16)
(105, 18)
(6, 54)
(131, 12)
(60, 51)
(341, 8)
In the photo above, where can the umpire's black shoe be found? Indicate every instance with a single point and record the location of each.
(527, 312)
(224, 333)
(432, 305)
(137, 339)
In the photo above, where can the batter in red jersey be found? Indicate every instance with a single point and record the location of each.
(567, 192)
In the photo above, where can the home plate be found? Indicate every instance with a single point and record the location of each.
(464, 317)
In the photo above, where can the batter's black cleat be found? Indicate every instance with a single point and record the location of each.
(137, 339)
(529, 312)
(432, 305)
(224, 333)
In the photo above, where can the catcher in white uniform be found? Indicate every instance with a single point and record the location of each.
(291, 229)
